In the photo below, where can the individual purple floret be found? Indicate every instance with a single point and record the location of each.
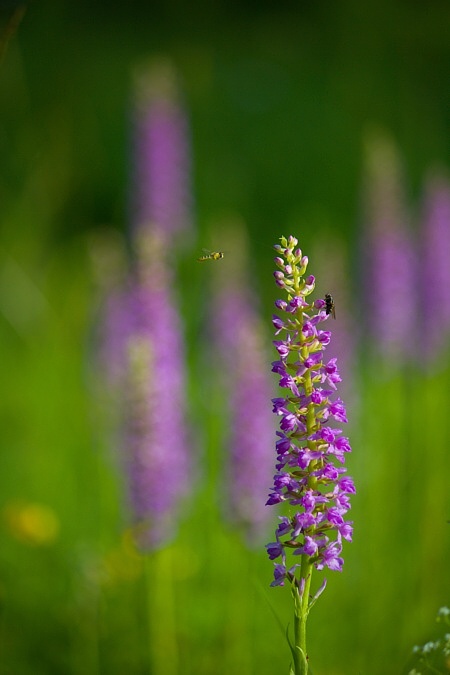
(311, 451)
(162, 159)
(435, 267)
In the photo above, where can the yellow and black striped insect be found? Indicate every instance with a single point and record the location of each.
(210, 255)
(329, 305)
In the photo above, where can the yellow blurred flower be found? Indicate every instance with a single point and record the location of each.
(32, 523)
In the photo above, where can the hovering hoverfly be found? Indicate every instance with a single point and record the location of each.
(329, 305)
(210, 255)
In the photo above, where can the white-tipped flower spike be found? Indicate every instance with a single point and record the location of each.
(311, 451)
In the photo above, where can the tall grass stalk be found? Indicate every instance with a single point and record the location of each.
(161, 612)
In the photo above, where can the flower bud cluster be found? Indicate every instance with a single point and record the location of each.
(310, 451)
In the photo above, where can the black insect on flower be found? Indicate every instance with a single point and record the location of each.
(329, 305)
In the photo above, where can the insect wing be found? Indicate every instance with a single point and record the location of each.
(206, 255)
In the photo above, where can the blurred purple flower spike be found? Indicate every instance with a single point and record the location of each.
(162, 157)
(144, 342)
(435, 267)
(155, 440)
(390, 303)
(240, 337)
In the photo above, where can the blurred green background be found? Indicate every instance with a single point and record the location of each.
(280, 97)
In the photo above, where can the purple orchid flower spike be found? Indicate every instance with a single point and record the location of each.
(311, 451)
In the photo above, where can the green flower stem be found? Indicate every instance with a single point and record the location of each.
(163, 647)
(307, 448)
(301, 610)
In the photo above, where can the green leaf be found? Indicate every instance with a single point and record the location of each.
(263, 591)
(291, 647)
